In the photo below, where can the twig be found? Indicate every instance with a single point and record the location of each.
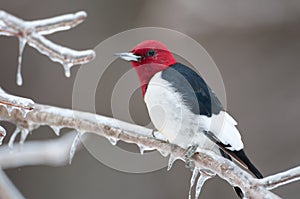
(32, 32)
(7, 188)
(274, 181)
(50, 152)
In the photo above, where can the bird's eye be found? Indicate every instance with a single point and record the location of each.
(150, 53)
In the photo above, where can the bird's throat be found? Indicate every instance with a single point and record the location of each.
(145, 72)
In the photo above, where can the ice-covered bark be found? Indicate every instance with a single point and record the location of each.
(32, 33)
(11, 103)
(53, 152)
(7, 188)
(114, 129)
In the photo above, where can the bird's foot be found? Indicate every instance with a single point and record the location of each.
(158, 136)
(153, 133)
(188, 154)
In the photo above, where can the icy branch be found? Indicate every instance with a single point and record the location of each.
(280, 179)
(7, 188)
(119, 130)
(50, 152)
(10, 103)
(32, 32)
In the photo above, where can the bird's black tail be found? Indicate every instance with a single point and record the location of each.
(245, 160)
(242, 156)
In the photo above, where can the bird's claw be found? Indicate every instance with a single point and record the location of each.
(188, 154)
(153, 133)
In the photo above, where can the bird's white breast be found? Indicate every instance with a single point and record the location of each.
(174, 119)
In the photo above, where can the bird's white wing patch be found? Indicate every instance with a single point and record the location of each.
(224, 128)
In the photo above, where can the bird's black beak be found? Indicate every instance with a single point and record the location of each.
(128, 56)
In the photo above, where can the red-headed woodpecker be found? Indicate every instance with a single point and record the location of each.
(182, 106)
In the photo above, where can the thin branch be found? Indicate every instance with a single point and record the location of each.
(10, 103)
(53, 152)
(32, 32)
(7, 188)
(274, 181)
(119, 130)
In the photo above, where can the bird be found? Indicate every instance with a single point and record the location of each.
(182, 106)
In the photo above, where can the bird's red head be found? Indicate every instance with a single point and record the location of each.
(148, 58)
(152, 52)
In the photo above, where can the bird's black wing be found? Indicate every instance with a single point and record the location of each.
(196, 93)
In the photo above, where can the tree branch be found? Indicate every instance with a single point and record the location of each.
(53, 152)
(32, 32)
(50, 152)
(111, 128)
(7, 188)
(274, 181)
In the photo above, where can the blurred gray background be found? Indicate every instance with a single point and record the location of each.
(255, 44)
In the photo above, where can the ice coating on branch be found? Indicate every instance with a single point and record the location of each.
(59, 23)
(56, 129)
(143, 148)
(31, 32)
(11, 102)
(163, 153)
(282, 178)
(9, 109)
(192, 181)
(2, 134)
(74, 145)
(113, 140)
(24, 112)
(65, 56)
(22, 43)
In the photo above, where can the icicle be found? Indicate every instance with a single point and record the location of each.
(112, 140)
(13, 137)
(201, 180)
(193, 179)
(142, 148)
(56, 129)
(163, 153)
(24, 112)
(24, 134)
(9, 109)
(74, 146)
(67, 67)
(22, 43)
(2, 134)
(172, 159)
